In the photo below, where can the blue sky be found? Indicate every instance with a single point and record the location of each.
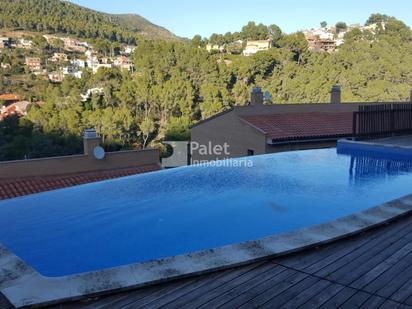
(189, 17)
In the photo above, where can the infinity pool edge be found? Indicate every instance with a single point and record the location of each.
(23, 286)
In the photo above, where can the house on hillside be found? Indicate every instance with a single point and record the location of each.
(5, 66)
(74, 45)
(23, 43)
(59, 57)
(56, 77)
(259, 129)
(34, 64)
(123, 62)
(252, 47)
(9, 98)
(215, 48)
(18, 108)
(4, 42)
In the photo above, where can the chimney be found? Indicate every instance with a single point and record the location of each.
(335, 95)
(90, 141)
(257, 96)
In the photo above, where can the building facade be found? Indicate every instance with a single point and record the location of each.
(260, 129)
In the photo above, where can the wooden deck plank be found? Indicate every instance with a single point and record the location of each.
(382, 267)
(323, 296)
(346, 265)
(305, 294)
(240, 289)
(339, 299)
(373, 302)
(203, 298)
(252, 292)
(282, 298)
(389, 282)
(403, 292)
(275, 289)
(318, 257)
(349, 251)
(357, 300)
(367, 262)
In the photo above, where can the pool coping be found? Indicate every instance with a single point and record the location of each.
(24, 287)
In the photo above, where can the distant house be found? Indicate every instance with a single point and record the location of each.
(325, 45)
(56, 77)
(315, 43)
(259, 129)
(74, 45)
(17, 108)
(23, 43)
(214, 47)
(5, 66)
(9, 98)
(73, 71)
(129, 49)
(78, 63)
(97, 66)
(33, 63)
(252, 47)
(59, 57)
(90, 92)
(123, 63)
(4, 42)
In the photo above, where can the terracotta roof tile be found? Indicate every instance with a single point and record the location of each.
(14, 187)
(292, 126)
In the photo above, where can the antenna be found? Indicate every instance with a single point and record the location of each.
(99, 153)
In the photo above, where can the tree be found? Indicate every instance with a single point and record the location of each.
(323, 24)
(378, 18)
(341, 26)
(275, 32)
(197, 41)
(147, 127)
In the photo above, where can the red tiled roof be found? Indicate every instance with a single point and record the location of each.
(292, 126)
(9, 97)
(10, 188)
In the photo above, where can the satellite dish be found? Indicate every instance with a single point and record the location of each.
(99, 153)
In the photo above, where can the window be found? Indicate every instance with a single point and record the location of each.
(250, 152)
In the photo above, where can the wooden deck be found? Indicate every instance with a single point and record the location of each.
(366, 271)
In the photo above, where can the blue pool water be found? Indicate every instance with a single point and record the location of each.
(149, 216)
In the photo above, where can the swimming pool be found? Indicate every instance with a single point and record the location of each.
(150, 216)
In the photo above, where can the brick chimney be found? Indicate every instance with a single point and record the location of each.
(335, 95)
(256, 97)
(90, 141)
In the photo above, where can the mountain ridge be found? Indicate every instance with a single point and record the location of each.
(55, 16)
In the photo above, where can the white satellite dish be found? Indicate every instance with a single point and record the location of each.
(99, 153)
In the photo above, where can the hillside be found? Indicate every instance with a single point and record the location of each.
(137, 23)
(55, 16)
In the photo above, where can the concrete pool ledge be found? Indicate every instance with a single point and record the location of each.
(23, 286)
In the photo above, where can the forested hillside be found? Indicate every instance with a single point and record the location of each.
(176, 84)
(55, 16)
